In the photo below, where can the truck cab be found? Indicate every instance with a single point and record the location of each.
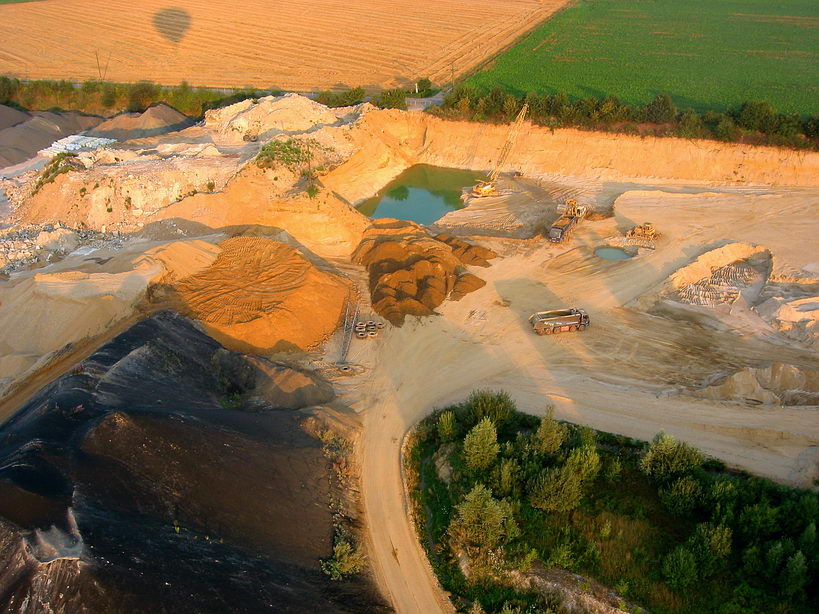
(559, 321)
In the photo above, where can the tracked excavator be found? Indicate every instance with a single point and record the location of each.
(488, 188)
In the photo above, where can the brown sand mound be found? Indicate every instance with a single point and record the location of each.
(262, 295)
(158, 119)
(777, 384)
(11, 117)
(412, 273)
(22, 141)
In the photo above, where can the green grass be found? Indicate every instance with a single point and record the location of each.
(707, 54)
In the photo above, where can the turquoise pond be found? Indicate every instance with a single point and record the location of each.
(422, 194)
(612, 253)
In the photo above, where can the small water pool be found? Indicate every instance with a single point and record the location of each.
(612, 253)
(421, 194)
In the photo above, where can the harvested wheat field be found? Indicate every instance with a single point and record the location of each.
(293, 45)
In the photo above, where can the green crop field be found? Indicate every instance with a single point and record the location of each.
(707, 54)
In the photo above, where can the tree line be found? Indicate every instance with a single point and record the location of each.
(660, 523)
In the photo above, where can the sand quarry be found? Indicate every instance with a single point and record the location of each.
(292, 45)
(712, 336)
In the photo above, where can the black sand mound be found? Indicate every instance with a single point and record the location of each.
(160, 477)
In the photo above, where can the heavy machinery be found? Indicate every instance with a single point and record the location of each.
(644, 231)
(487, 188)
(563, 227)
(559, 321)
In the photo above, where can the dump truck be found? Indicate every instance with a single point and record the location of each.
(563, 227)
(559, 321)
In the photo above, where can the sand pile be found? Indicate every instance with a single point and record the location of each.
(11, 117)
(261, 295)
(44, 313)
(156, 120)
(777, 384)
(412, 273)
(798, 318)
(269, 116)
(23, 140)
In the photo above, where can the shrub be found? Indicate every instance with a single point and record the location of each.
(755, 115)
(482, 522)
(661, 110)
(795, 575)
(290, 153)
(680, 568)
(550, 434)
(506, 478)
(312, 190)
(759, 520)
(497, 406)
(667, 457)
(8, 89)
(447, 426)
(142, 95)
(584, 462)
(555, 490)
(341, 99)
(347, 558)
(682, 496)
(391, 99)
(211, 185)
(711, 546)
(481, 445)
(690, 125)
(109, 96)
(726, 130)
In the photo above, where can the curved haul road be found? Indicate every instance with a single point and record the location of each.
(623, 375)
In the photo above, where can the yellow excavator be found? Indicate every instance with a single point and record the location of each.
(487, 188)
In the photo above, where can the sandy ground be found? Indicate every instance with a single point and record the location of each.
(630, 373)
(295, 45)
(640, 366)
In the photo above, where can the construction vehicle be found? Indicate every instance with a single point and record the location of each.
(488, 188)
(644, 232)
(559, 321)
(565, 225)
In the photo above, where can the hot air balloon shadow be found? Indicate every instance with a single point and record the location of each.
(172, 23)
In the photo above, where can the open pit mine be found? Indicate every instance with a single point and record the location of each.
(212, 350)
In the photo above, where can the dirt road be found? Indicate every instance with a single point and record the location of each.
(632, 373)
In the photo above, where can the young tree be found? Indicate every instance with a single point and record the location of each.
(481, 522)
(550, 434)
(556, 490)
(661, 110)
(667, 458)
(495, 405)
(711, 545)
(682, 496)
(795, 575)
(506, 478)
(584, 462)
(391, 99)
(447, 427)
(481, 445)
(680, 568)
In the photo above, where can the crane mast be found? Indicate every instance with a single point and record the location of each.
(487, 188)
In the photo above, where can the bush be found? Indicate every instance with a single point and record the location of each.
(347, 558)
(711, 546)
(584, 462)
(497, 406)
(391, 99)
(109, 96)
(556, 490)
(795, 575)
(550, 434)
(8, 89)
(142, 95)
(680, 568)
(291, 154)
(447, 426)
(682, 496)
(341, 99)
(755, 115)
(506, 478)
(481, 445)
(667, 458)
(661, 110)
(481, 522)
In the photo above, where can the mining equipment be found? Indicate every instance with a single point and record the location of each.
(645, 230)
(487, 188)
(559, 321)
(565, 225)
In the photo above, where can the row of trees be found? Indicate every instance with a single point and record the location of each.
(755, 121)
(523, 490)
